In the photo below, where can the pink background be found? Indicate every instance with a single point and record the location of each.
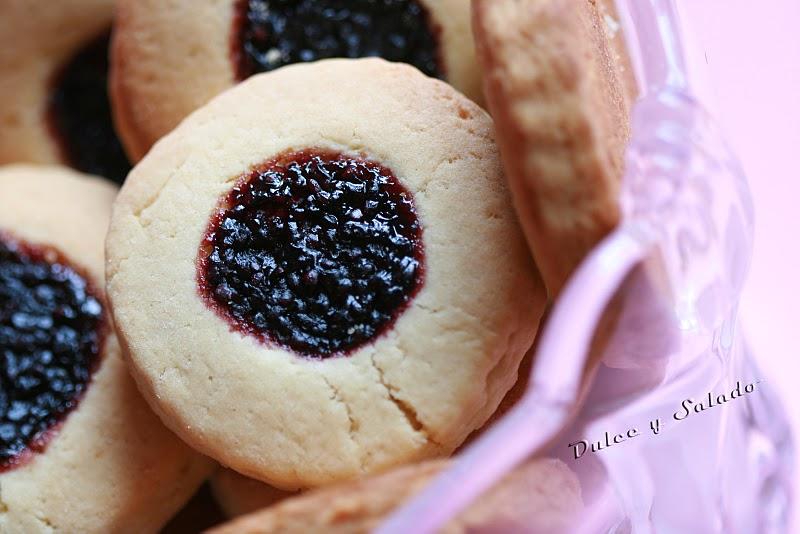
(750, 52)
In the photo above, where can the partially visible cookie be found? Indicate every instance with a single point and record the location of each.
(53, 66)
(170, 58)
(560, 91)
(541, 496)
(238, 495)
(80, 451)
(513, 396)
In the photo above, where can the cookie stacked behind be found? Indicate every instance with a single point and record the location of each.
(541, 496)
(53, 68)
(238, 495)
(80, 451)
(170, 58)
(560, 89)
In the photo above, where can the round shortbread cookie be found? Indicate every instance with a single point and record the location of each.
(100, 460)
(393, 366)
(170, 58)
(53, 69)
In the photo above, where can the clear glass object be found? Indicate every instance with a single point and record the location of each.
(659, 298)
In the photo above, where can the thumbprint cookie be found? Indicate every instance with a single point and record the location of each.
(541, 496)
(80, 451)
(559, 88)
(169, 58)
(53, 80)
(319, 274)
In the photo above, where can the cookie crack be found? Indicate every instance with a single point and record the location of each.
(455, 309)
(446, 161)
(405, 408)
(150, 201)
(46, 524)
(352, 430)
(429, 309)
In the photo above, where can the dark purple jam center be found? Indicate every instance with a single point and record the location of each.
(272, 33)
(317, 251)
(51, 331)
(80, 114)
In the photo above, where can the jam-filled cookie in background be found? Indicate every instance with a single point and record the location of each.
(80, 451)
(169, 58)
(314, 291)
(560, 89)
(53, 85)
(238, 495)
(540, 496)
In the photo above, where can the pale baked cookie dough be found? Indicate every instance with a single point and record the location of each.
(541, 496)
(52, 85)
(560, 89)
(238, 495)
(110, 465)
(414, 391)
(170, 58)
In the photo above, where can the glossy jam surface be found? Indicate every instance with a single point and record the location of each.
(315, 251)
(79, 114)
(51, 333)
(272, 33)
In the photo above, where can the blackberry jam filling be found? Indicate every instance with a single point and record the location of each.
(316, 251)
(51, 332)
(269, 34)
(79, 114)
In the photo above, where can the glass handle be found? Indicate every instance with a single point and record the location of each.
(547, 404)
(665, 66)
